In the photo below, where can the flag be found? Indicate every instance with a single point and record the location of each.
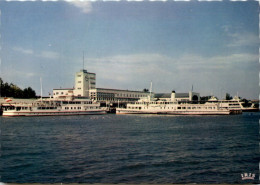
(7, 99)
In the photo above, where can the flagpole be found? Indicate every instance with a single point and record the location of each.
(41, 87)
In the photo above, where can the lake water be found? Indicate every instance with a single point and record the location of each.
(130, 149)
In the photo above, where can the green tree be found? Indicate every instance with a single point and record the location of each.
(228, 97)
(12, 90)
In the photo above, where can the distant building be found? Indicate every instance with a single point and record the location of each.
(190, 96)
(84, 82)
(85, 86)
(102, 94)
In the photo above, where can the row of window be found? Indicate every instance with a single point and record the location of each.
(57, 93)
(92, 83)
(114, 99)
(46, 108)
(79, 108)
(67, 108)
(100, 94)
(174, 107)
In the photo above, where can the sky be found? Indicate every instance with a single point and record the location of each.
(210, 46)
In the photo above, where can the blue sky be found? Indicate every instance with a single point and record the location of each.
(210, 45)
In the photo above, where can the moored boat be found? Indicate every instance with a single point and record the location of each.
(154, 106)
(54, 107)
(235, 104)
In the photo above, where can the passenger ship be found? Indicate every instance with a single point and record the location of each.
(234, 104)
(152, 106)
(54, 107)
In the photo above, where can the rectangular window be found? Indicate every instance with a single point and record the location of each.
(79, 81)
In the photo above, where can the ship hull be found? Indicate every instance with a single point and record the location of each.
(52, 113)
(125, 111)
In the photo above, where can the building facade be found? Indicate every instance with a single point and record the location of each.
(181, 97)
(114, 95)
(85, 86)
(84, 82)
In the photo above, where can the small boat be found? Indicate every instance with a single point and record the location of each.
(54, 107)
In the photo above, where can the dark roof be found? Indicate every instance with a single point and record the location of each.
(162, 95)
(182, 95)
(168, 95)
(121, 90)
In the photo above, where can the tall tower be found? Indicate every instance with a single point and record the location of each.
(84, 81)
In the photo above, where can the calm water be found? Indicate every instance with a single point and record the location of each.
(130, 149)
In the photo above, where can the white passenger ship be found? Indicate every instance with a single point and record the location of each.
(152, 106)
(54, 107)
(235, 104)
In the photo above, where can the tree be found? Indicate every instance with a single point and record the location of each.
(145, 90)
(29, 93)
(205, 98)
(12, 90)
(228, 97)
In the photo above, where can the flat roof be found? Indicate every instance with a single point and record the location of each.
(64, 89)
(121, 90)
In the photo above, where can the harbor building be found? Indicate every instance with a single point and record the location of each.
(84, 82)
(102, 94)
(181, 97)
(85, 87)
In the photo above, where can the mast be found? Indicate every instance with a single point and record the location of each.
(151, 86)
(41, 87)
(83, 60)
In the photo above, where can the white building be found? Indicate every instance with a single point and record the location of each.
(85, 86)
(84, 82)
(63, 92)
(184, 97)
(102, 94)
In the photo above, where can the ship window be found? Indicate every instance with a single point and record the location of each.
(71, 107)
(179, 107)
(183, 107)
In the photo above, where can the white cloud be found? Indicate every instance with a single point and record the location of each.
(157, 63)
(42, 54)
(84, 5)
(139, 69)
(48, 55)
(243, 39)
(22, 50)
